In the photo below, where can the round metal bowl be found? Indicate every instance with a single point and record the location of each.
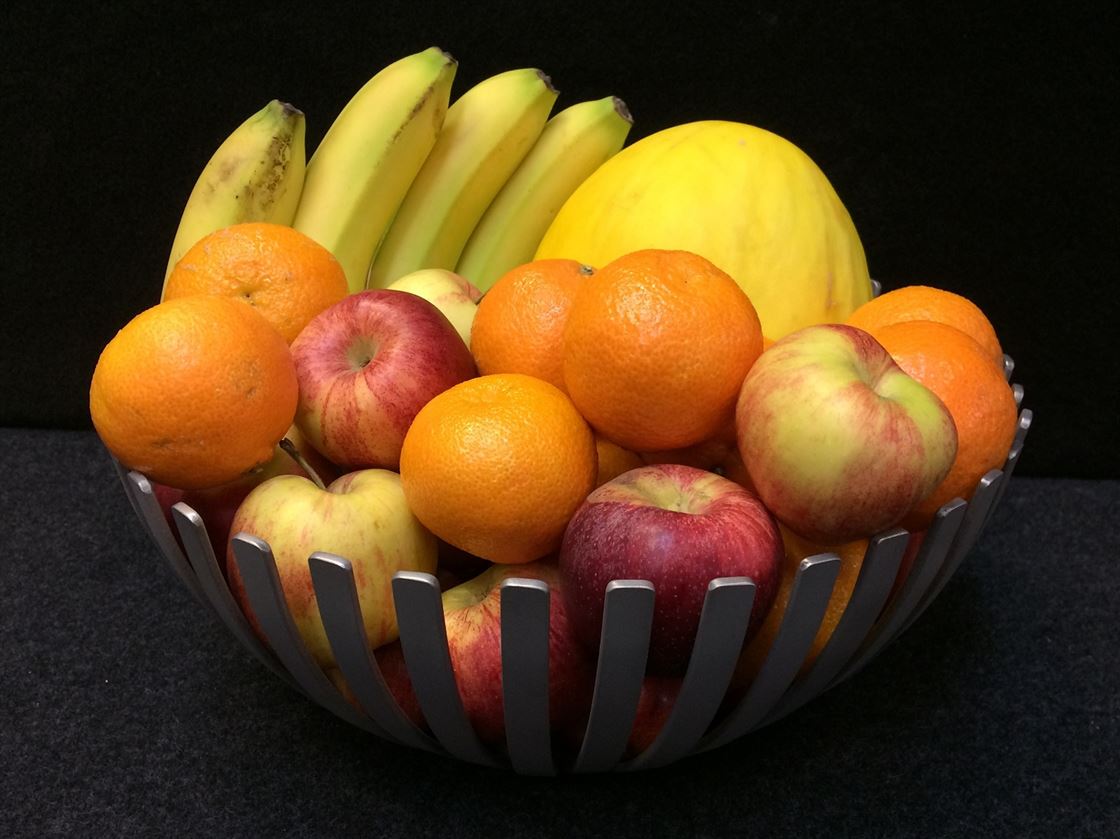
(699, 719)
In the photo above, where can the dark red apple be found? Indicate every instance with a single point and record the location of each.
(655, 704)
(678, 527)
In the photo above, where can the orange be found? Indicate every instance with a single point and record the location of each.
(519, 325)
(496, 466)
(657, 346)
(796, 549)
(194, 392)
(966, 378)
(282, 273)
(613, 460)
(919, 302)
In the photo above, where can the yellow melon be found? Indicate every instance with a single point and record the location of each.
(748, 200)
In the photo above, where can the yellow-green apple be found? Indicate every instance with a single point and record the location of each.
(217, 505)
(837, 440)
(366, 366)
(472, 615)
(361, 516)
(449, 292)
(678, 527)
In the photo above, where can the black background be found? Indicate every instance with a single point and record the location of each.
(973, 146)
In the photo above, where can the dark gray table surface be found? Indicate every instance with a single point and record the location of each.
(126, 710)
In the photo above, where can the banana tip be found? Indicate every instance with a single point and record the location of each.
(544, 77)
(621, 109)
(440, 54)
(289, 110)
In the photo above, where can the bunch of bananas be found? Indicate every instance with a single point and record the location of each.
(405, 179)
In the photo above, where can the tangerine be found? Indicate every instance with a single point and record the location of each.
(795, 549)
(920, 302)
(519, 325)
(284, 274)
(657, 346)
(613, 460)
(496, 466)
(194, 392)
(964, 376)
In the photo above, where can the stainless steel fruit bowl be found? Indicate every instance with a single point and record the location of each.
(699, 720)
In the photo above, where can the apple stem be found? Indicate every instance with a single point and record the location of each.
(294, 453)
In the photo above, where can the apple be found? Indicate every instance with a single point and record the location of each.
(838, 442)
(217, 505)
(390, 661)
(361, 516)
(656, 699)
(334, 674)
(449, 292)
(678, 527)
(655, 703)
(366, 366)
(472, 617)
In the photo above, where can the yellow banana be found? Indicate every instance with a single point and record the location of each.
(488, 131)
(574, 143)
(370, 155)
(256, 174)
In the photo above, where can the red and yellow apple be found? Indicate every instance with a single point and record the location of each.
(361, 516)
(366, 366)
(679, 528)
(838, 442)
(472, 614)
